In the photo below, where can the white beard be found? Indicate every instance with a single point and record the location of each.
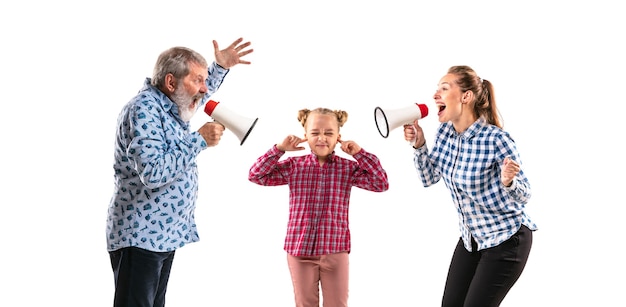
(184, 102)
(187, 113)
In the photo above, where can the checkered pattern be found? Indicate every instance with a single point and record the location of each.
(470, 164)
(319, 196)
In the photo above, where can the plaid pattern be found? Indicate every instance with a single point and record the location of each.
(470, 164)
(318, 196)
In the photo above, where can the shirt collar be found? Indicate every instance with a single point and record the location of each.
(471, 131)
(162, 99)
(330, 159)
(474, 128)
(166, 103)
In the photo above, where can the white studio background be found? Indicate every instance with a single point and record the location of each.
(68, 67)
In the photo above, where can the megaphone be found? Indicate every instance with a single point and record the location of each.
(392, 119)
(240, 125)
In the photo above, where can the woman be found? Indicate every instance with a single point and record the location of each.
(479, 163)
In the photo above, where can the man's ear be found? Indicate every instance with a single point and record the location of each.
(170, 83)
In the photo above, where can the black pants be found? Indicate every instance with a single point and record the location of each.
(140, 277)
(483, 278)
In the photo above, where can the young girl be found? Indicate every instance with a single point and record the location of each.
(318, 238)
(480, 165)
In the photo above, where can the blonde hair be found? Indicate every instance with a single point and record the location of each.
(341, 116)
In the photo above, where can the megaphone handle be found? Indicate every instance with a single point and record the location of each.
(412, 142)
(215, 121)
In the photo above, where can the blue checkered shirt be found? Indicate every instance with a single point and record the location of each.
(470, 164)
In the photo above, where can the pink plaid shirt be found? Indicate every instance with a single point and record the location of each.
(319, 196)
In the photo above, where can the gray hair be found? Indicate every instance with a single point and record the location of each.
(175, 61)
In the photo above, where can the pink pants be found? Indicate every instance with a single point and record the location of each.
(331, 271)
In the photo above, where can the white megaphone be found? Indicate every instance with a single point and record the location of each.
(241, 126)
(392, 119)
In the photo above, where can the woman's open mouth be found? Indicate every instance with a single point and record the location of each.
(440, 107)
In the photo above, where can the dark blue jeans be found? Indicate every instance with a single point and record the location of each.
(140, 276)
(483, 278)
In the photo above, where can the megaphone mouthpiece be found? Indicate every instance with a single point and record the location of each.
(391, 119)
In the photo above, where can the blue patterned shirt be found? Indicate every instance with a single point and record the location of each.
(156, 177)
(470, 164)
